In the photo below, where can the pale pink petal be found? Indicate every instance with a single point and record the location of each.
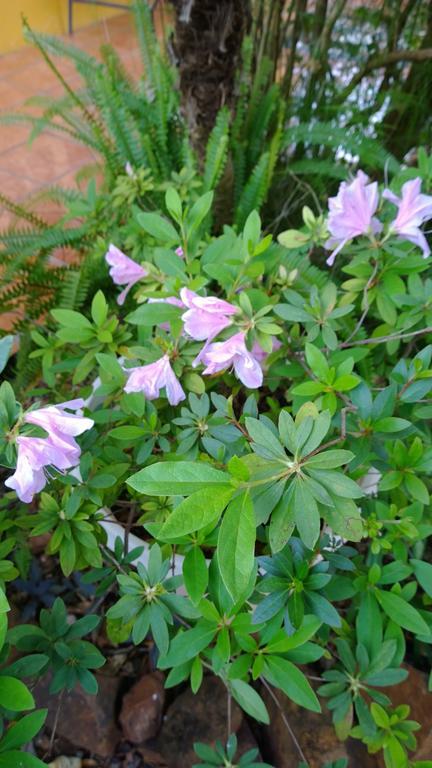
(413, 210)
(351, 213)
(221, 355)
(173, 387)
(201, 325)
(124, 271)
(248, 370)
(26, 481)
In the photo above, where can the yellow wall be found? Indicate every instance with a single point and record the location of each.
(45, 16)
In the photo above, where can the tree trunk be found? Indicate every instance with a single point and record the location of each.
(207, 44)
(412, 104)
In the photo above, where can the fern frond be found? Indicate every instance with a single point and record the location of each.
(327, 135)
(216, 151)
(254, 192)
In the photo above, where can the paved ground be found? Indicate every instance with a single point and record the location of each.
(51, 159)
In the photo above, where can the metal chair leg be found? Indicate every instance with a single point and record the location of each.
(70, 17)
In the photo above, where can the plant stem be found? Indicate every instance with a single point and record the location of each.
(383, 339)
(284, 718)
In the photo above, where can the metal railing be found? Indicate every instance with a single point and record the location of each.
(103, 3)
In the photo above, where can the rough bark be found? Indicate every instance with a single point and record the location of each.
(207, 44)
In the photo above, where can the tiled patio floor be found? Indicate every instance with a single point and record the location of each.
(51, 159)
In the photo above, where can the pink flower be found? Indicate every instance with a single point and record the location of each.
(179, 252)
(206, 315)
(29, 476)
(151, 378)
(124, 271)
(59, 449)
(260, 354)
(414, 210)
(221, 355)
(168, 300)
(351, 213)
(62, 427)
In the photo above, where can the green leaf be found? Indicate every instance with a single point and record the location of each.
(330, 459)
(293, 238)
(293, 314)
(14, 695)
(316, 362)
(177, 478)
(308, 388)
(5, 350)
(402, 613)
(15, 759)
(154, 314)
(336, 483)
(308, 629)
(99, 309)
(346, 382)
(416, 488)
(110, 365)
(67, 555)
(249, 700)
(380, 715)
(263, 436)
(131, 432)
(198, 212)
(160, 228)
(196, 512)
(282, 522)
(71, 319)
(307, 516)
(195, 574)
(321, 426)
(423, 572)
(236, 545)
(285, 675)
(187, 645)
(391, 424)
(345, 519)
(24, 730)
(173, 203)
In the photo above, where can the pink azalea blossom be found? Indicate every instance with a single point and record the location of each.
(351, 213)
(59, 449)
(260, 354)
(414, 210)
(167, 300)
(124, 271)
(62, 428)
(153, 377)
(206, 315)
(221, 355)
(29, 476)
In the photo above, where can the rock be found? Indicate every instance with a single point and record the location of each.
(246, 741)
(314, 733)
(414, 691)
(196, 717)
(151, 758)
(142, 706)
(85, 721)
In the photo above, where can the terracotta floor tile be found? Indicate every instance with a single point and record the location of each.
(12, 136)
(11, 63)
(52, 158)
(17, 188)
(46, 160)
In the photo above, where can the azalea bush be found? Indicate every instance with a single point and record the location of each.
(262, 423)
